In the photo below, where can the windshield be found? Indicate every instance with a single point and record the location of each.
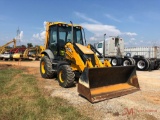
(99, 45)
(65, 34)
(60, 34)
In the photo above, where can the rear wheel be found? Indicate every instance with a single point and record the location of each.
(65, 76)
(128, 61)
(46, 68)
(143, 64)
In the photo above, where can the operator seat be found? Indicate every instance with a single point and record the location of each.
(61, 46)
(61, 43)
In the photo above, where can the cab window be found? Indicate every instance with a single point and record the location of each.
(53, 39)
(99, 45)
(79, 37)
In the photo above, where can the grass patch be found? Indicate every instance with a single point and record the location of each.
(22, 99)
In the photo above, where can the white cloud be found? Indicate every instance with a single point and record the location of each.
(112, 18)
(21, 35)
(92, 38)
(133, 39)
(39, 36)
(130, 33)
(44, 24)
(100, 29)
(81, 15)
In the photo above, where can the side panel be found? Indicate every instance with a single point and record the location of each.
(111, 47)
(121, 43)
(147, 52)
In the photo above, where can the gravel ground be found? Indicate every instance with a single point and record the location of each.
(141, 105)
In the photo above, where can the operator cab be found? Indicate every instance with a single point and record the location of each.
(60, 34)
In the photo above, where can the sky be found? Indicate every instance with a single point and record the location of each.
(136, 21)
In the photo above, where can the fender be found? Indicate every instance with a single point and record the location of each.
(49, 53)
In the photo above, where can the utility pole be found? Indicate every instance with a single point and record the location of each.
(18, 35)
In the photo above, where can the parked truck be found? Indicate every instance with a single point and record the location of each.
(145, 58)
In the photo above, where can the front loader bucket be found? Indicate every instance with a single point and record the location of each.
(97, 84)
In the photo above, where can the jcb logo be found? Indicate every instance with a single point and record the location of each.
(132, 111)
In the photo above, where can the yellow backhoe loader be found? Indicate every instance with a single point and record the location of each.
(67, 56)
(32, 53)
(35, 52)
(3, 48)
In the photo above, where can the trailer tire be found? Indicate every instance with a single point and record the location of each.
(143, 64)
(128, 61)
(46, 68)
(114, 62)
(133, 62)
(66, 76)
(128, 54)
(156, 67)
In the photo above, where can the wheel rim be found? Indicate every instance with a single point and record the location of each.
(141, 64)
(114, 62)
(126, 63)
(61, 77)
(42, 67)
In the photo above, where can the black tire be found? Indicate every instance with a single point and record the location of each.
(128, 54)
(157, 67)
(149, 64)
(133, 61)
(46, 68)
(114, 62)
(128, 61)
(143, 64)
(65, 76)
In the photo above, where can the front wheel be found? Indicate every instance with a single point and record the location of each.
(46, 68)
(114, 62)
(65, 76)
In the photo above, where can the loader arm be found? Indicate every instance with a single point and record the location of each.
(2, 48)
(98, 62)
(77, 58)
(101, 81)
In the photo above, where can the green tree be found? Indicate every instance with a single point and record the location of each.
(29, 45)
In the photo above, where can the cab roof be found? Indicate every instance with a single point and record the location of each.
(55, 23)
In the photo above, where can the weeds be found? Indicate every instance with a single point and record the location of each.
(22, 99)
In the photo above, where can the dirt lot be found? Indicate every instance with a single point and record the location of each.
(141, 105)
